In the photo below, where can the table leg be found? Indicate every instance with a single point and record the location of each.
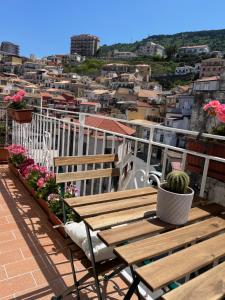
(132, 288)
(93, 263)
(134, 276)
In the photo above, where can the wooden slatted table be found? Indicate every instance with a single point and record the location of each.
(127, 221)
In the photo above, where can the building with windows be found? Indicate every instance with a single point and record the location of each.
(193, 50)
(184, 70)
(10, 48)
(151, 49)
(84, 44)
(123, 54)
(212, 67)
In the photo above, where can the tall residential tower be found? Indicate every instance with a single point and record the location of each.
(84, 44)
(10, 48)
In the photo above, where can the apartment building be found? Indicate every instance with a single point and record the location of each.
(10, 48)
(84, 44)
(184, 70)
(151, 49)
(212, 67)
(123, 54)
(193, 50)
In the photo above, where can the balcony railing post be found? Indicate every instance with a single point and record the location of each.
(80, 144)
(204, 177)
(149, 155)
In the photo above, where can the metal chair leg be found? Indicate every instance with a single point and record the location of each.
(76, 282)
(134, 277)
(132, 289)
(93, 263)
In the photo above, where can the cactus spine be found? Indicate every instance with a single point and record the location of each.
(177, 182)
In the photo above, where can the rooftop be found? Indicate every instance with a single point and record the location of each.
(212, 78)
(195, 46)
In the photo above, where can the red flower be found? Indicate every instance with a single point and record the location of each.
(41, 182)
(21, 93)
(220, 113)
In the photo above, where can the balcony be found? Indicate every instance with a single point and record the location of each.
(33, 254)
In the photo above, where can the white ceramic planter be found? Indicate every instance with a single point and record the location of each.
(173, 208)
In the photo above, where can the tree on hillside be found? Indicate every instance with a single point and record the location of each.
(170, 51)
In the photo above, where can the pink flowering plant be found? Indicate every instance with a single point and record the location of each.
(46, 186)
(17, 154)
(71, 191)
(216, 111)
(16, 101)
(42, 181)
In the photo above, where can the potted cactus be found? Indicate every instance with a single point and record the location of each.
(175, 198)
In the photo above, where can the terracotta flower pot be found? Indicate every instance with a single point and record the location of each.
(56, 221)
(13, 169)
(44, 205)
(21, 116)
(26, 185)
(4, 154)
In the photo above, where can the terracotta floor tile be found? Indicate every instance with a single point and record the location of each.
(3, 274)
(8, 227)
(43, 292)
(10, 256)
(3, 220)
(16, 284)
(24, 266)
(6, 236)
(10, 297)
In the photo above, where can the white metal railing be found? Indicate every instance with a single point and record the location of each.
(4, 130)
(48, 136)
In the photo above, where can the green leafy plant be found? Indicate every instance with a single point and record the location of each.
(55, 206)
(177, 182)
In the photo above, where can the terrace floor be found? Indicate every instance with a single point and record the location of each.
(33, 255)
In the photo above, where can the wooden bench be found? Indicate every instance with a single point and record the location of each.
(82, 173)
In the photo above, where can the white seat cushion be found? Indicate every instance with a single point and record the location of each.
(101, 251)
(77, 233)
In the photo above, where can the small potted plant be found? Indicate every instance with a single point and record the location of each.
(56, 211)
(17, 155)
(17, 108)
(175, 198)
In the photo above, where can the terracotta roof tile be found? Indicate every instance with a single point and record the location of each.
(110, 125)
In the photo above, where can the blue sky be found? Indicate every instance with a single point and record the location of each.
(44, 27)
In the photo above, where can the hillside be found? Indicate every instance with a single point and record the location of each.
(215, 39)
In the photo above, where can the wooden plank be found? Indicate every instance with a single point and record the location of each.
(117, 235)
(121, 217)
(209, 285)
(97, 209)
(88, 159)
(176, 266)
(163, 243)
(84, 175)
(114, 196)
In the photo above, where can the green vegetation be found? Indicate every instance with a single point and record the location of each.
(215, 39)
(88, 67)
(159, 66)
(169, 82)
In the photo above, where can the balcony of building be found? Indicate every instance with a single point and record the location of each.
(33, 257)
